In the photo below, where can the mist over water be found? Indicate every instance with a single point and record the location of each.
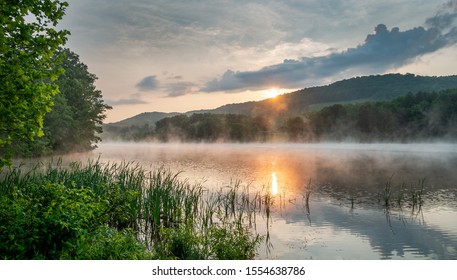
(354, 165)
(345, 217)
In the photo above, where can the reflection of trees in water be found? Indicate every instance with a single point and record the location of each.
(368, 172)
(392, 232)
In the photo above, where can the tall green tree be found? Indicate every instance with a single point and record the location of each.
(76, 121)
(28, 42)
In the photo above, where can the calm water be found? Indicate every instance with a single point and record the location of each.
(344, 217)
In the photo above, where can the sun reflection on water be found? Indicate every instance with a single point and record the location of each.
(274, 183)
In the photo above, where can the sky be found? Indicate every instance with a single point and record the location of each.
(183, 55)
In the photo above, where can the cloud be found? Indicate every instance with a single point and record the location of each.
(127, 101)
(381, 51)
(133, 99)
(171, 85)
(148, 83)
(180, 89)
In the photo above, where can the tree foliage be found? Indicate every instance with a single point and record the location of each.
(75, 121)
(28, 65)
(211, 128)
(412, 117)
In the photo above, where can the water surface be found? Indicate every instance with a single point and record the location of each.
(345, 216)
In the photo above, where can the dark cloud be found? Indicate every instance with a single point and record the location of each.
(180, 88)
(148, 83)
(385, 49)
(445, 17)
(173, 88)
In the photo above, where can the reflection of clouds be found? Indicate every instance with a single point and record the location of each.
(390, 236)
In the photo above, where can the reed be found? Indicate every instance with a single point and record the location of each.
(170, 217)
(387, 194)
(402, 195)
(417, 193)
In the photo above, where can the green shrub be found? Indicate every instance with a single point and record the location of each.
(107, 243)
(41, 222)
(181, 243)
(233, 242)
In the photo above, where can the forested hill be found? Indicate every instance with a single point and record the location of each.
(359, 89)
(354, 90)
(421, 116)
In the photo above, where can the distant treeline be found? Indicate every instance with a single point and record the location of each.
(412, 117)
(204, 127)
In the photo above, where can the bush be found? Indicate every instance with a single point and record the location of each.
(233, 242)
(220, 242)
(107, 243)
(53, 222)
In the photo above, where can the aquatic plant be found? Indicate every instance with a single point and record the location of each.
(417, 193)
(398, 196)
(387, 194)
(306, 197)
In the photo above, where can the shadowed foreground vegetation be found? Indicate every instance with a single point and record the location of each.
(121, 211)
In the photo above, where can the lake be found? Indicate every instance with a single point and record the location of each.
(332, 201)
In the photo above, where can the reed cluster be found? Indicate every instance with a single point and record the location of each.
(122, 211)
(411, 195)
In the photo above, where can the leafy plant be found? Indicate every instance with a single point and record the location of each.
(52, 221)
(28, 42)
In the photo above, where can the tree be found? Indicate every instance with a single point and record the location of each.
(76, 120)
(74, 123)
(295, 128)
(28, 42)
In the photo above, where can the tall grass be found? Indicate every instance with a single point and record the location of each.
(170, 217)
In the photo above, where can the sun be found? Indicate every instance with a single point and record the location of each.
(272, 92)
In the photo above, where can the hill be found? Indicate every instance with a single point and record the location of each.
(354, 90)
(134, 128)
(147, 118)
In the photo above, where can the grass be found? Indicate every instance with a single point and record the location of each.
(122, 211)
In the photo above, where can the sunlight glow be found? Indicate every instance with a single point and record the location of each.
(272, 92)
